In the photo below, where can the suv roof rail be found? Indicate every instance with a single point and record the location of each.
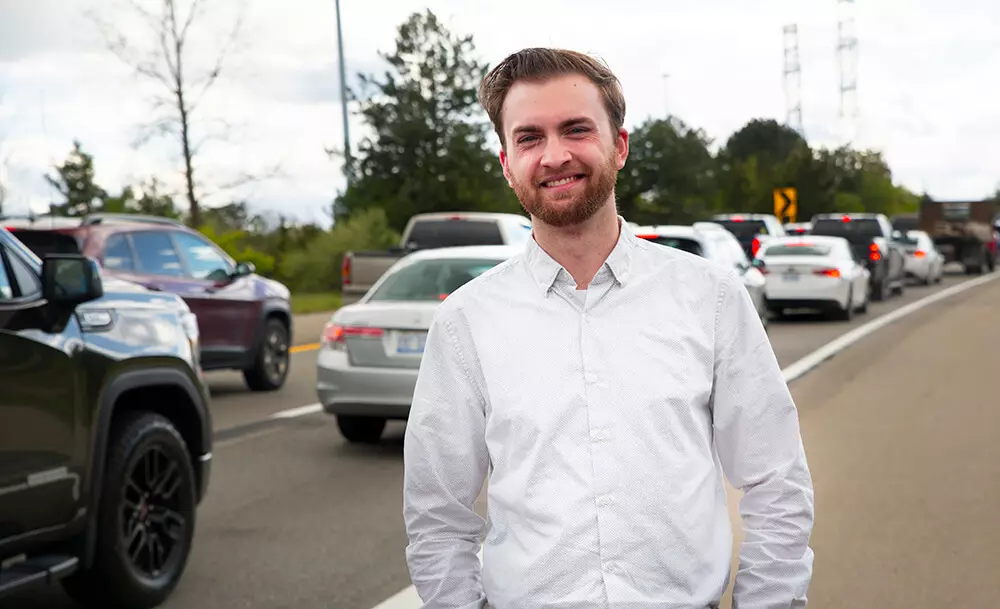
(109, 218)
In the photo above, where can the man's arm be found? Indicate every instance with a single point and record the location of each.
(758, 442)
(445, 465)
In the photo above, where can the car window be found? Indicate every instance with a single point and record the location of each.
(690, 246)
(6, 285)
(427, 234)
(797, 249)
(736, 252)
(203, 258)
(156, 254)
(26, 279)
(118, 254)
(429, 280)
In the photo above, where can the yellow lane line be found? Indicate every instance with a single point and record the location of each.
(302, 348)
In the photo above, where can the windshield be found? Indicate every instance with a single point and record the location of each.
(688, 245)
(430, 280)
(805, 249)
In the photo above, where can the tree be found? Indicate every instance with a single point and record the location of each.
(150, 201)
(670, 175)
(428, 149)
(75, 181)
(170, 64)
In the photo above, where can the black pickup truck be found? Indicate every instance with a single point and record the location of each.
(871, 239)
(105, 432)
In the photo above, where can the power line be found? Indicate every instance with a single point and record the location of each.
(793, 79)
(847, 56)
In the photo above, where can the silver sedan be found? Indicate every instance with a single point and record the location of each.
(370, 351)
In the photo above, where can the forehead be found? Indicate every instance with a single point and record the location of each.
(549, 102)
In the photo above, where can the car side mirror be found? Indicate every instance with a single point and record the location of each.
(70, 279)
(758, 264)
(245, 268)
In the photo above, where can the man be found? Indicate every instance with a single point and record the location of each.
(605, 384)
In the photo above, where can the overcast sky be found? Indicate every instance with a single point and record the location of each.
(927, 86)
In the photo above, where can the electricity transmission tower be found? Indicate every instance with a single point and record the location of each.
(847, 58)
(793, 79)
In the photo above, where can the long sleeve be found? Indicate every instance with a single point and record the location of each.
(445, 465)
(760, 448)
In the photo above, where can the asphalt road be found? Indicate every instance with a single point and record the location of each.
(898, 436)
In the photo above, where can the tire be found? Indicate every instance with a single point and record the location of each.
(270, 366)
(879, 291)
(361, 430)
(141, 444)
(847, 312)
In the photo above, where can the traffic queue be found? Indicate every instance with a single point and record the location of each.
(834, 265)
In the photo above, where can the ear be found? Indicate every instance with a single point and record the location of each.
(621, 147)
(506, 169)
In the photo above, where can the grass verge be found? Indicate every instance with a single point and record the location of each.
(315, 303)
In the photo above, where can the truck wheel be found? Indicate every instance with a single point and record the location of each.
(270, 366)
(145, 522)
(361, 430)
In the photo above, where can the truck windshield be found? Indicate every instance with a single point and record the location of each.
(430, 280)
(429, 234)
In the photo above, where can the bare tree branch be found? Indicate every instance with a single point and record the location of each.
(168, 64)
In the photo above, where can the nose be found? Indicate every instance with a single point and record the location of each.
(555, 154)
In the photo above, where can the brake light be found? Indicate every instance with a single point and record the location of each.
(736, 219)
(845, 218)
(919, 254)
(827, 273)
(647, 236)
(755, 246)
(442, 296)
(345, 271)
(873, 252)
(335, 335)
(456, 217)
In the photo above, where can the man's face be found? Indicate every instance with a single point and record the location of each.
(561, 154)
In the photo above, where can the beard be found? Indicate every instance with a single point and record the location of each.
(570, 208)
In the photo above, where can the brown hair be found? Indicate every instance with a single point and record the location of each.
(537, 64)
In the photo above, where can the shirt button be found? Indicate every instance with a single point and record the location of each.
(605, 500)
(611, 567)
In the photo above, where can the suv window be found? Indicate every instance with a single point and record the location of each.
(156, 253)
(427, 234)
(17, 280)
(430, 279)
(854, 230)
(688, 245)
(118, 254)
(203, 258)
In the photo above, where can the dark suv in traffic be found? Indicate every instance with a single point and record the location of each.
(105, 432)
(245, 319)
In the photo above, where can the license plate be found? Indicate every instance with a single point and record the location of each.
(791, 277)
(410, 343)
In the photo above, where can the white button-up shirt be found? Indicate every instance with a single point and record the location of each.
(605, 420)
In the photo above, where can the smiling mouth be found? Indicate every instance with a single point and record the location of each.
(562, 181)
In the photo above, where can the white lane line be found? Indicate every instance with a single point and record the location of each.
(301, 411)
(408, 597)
(844, 341)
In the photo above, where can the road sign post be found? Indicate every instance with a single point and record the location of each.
(786, 204)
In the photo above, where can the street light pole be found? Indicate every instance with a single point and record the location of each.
(348, 161)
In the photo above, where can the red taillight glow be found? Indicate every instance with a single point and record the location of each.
(827, 272)
(647, 236)
(337, 334)
(736, 219)
(874, 253)
(845, 218)
(345, 271)
(755, 246)
(919, 254)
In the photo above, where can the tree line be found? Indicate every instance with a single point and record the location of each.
(429, 150)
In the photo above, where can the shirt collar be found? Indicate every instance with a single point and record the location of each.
(544, 269)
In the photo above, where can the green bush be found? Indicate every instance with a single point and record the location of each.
(317, 267)
(234, 243)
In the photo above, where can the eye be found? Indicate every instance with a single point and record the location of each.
(527, 139)
(578, 130)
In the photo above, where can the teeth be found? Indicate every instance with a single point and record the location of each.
(562, 181)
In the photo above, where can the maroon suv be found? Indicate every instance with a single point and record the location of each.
(244, 319)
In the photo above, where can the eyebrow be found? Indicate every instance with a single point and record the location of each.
(571, 122)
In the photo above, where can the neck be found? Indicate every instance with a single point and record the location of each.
(581, 249)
